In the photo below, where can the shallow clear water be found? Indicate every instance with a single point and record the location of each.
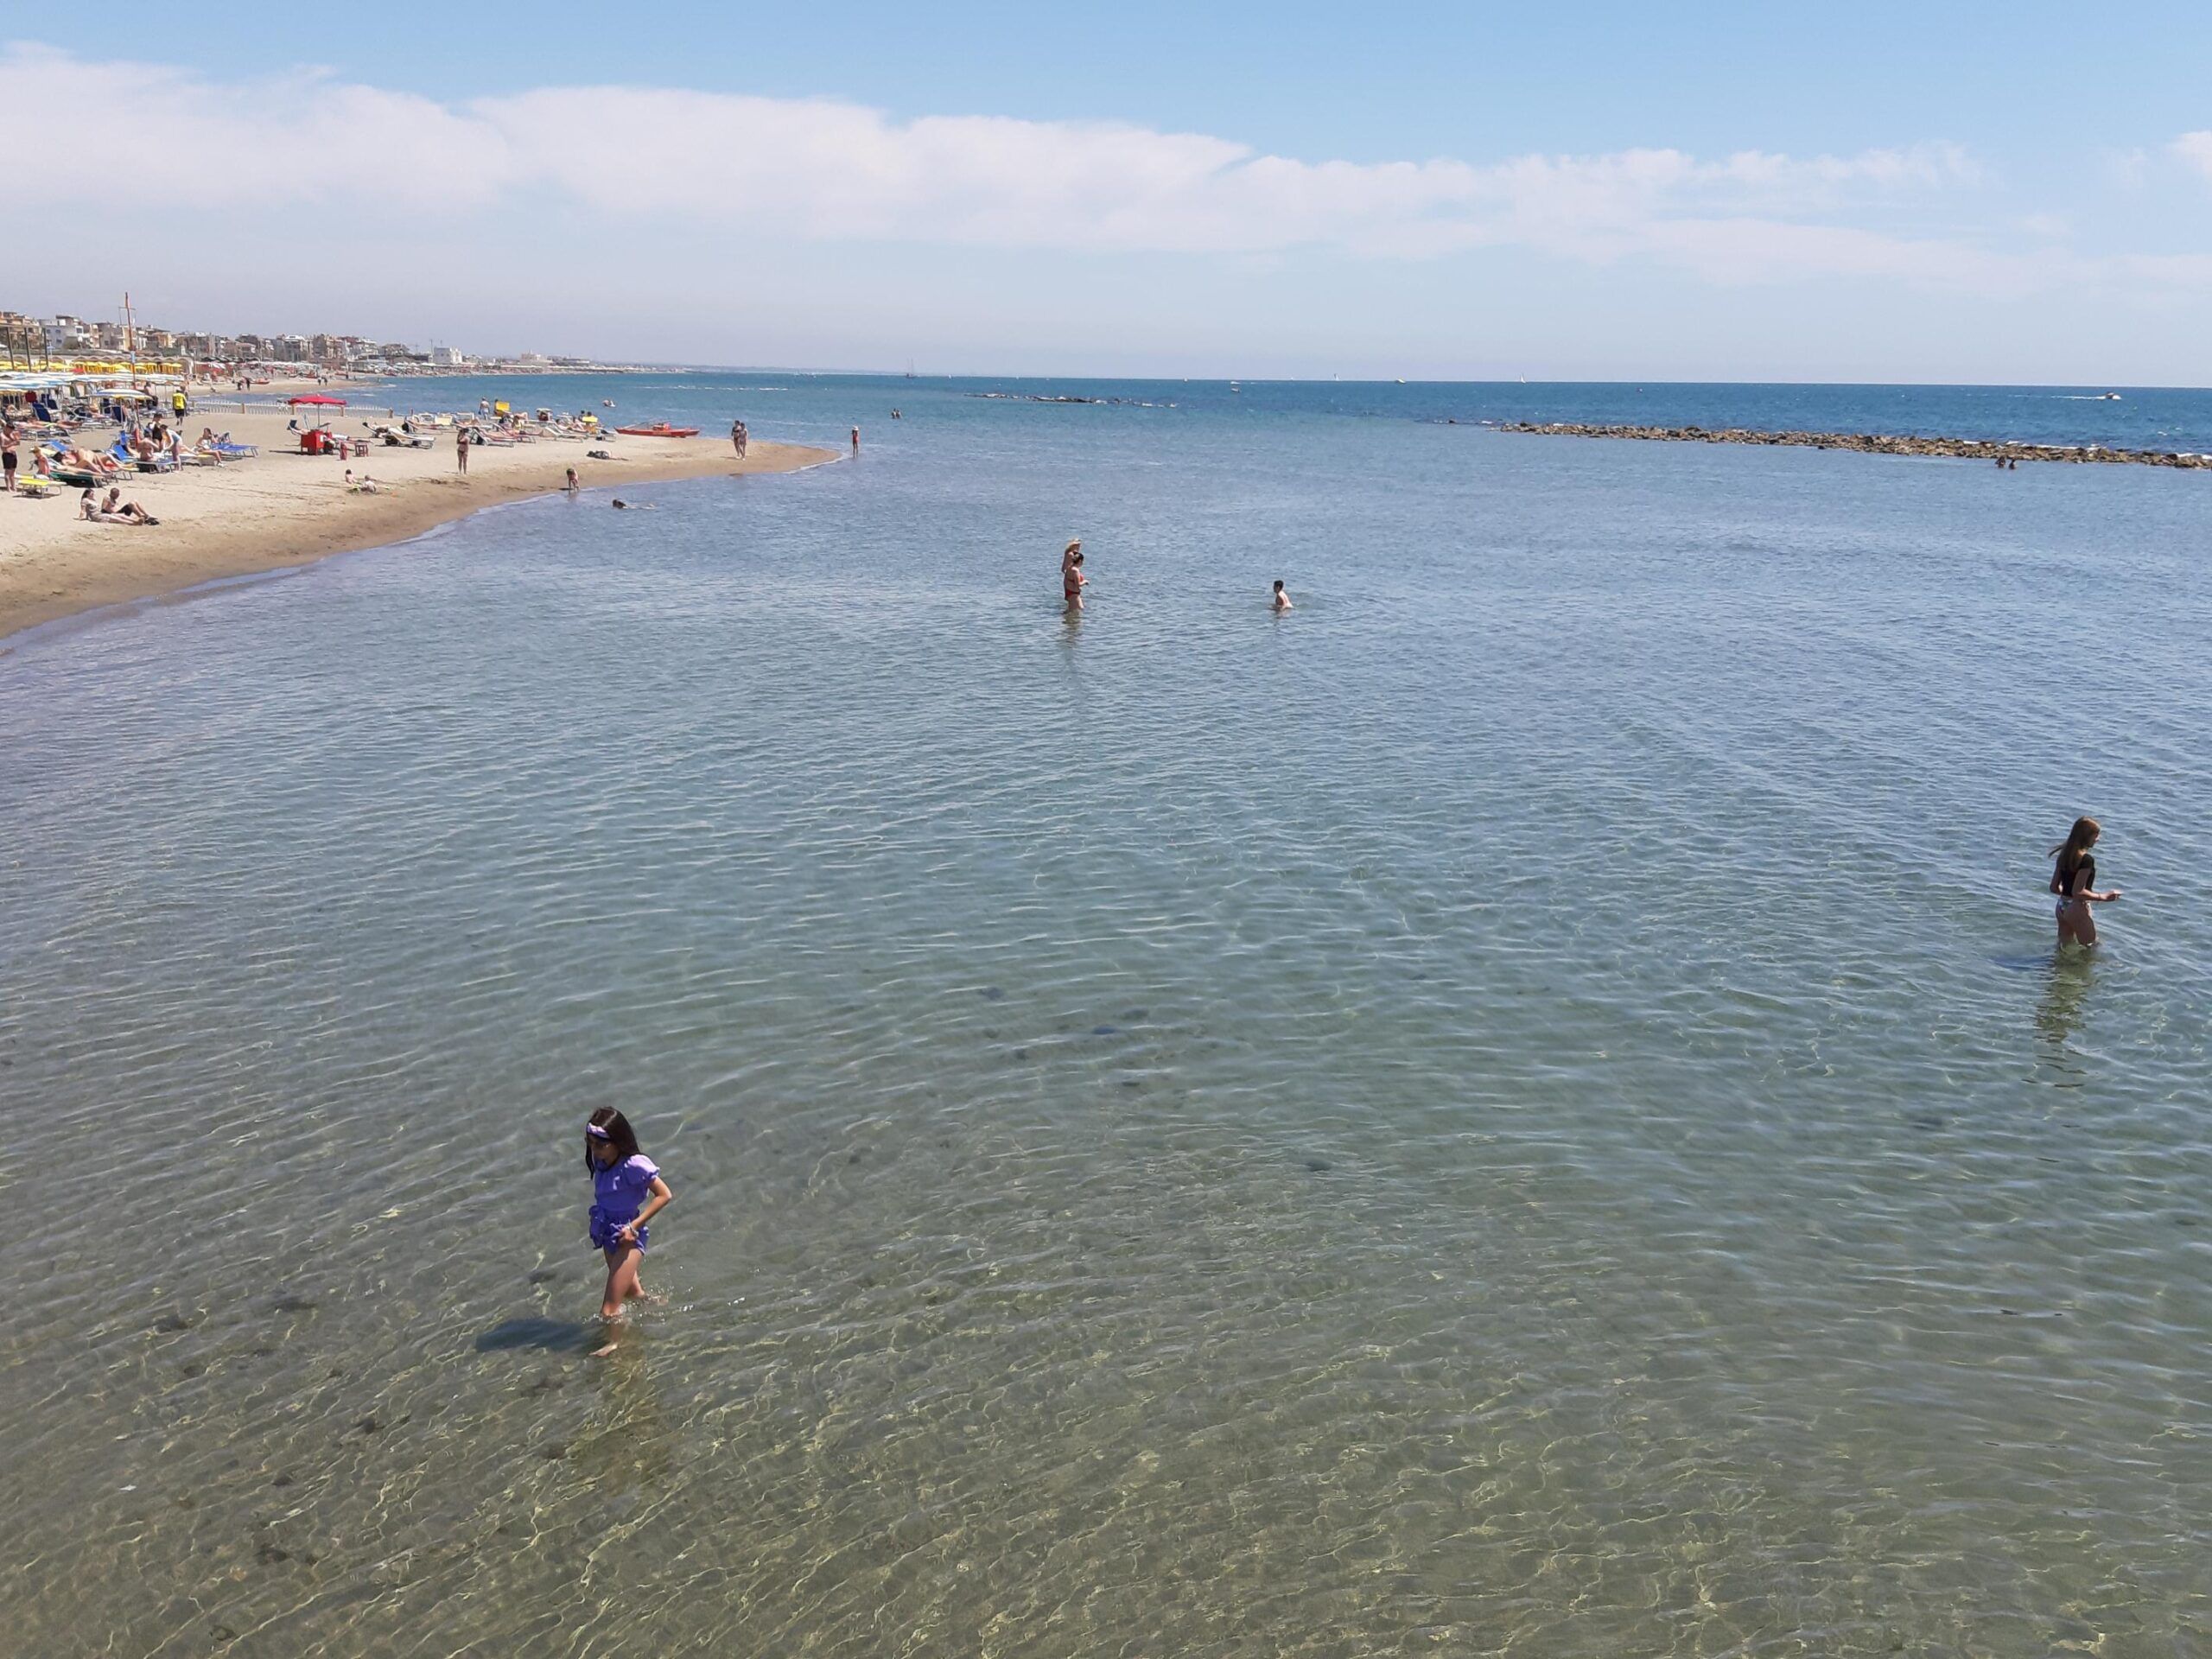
(1525, 1106)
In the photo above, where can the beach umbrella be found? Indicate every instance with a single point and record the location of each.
(317, 400)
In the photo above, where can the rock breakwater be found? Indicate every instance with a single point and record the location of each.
(1868, 443)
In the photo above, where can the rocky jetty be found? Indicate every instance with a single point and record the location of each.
(1867, 443)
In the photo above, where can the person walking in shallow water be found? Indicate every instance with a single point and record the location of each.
(1072, 581)
(627, 1192)
(2074, 880)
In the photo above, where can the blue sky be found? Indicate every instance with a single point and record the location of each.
(1604, 191)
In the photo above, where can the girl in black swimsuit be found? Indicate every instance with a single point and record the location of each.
(2074, 878)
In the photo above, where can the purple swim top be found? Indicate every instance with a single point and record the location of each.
(619, 1191)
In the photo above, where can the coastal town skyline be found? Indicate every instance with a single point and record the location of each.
(30, 342)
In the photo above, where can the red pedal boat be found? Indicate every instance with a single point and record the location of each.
(658, 429)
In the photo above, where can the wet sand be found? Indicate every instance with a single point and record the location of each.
(283, 508)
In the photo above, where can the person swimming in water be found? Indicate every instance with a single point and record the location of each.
(1282, 601)
(2074, 880)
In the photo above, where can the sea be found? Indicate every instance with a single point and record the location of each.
(1526, 1105)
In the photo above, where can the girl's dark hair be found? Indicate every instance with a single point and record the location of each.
(620, 1135)
(2070, 852)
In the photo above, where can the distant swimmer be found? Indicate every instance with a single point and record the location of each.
(1072, 579)
(2074, 878)
(1282, 599)
(633, 506)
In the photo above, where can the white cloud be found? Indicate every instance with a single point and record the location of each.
(2193, 150)
(307, 147)
(825, 169)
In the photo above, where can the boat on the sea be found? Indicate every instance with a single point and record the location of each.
(658, 429)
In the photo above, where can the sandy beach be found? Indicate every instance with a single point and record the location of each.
(282, 508)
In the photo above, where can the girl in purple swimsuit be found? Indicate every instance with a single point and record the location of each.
(627, 1192)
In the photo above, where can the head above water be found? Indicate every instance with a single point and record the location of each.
(1278, 584)
(608, 1139)
(2083, 836)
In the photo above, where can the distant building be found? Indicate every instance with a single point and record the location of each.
(445, 357)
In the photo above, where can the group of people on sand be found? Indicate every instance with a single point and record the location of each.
(114, 509)
(1074, 579)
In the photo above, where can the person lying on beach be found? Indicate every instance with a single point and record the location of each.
(364, 485)
(1282, 601)
(627, 1192)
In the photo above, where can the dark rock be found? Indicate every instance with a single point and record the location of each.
(1871, 443)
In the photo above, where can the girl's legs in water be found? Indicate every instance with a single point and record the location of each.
(2078, 924)
(622, 1281)
(622, 1284)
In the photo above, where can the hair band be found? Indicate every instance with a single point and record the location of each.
(595, 1132)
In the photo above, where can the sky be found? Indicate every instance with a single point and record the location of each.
(1881, 193)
